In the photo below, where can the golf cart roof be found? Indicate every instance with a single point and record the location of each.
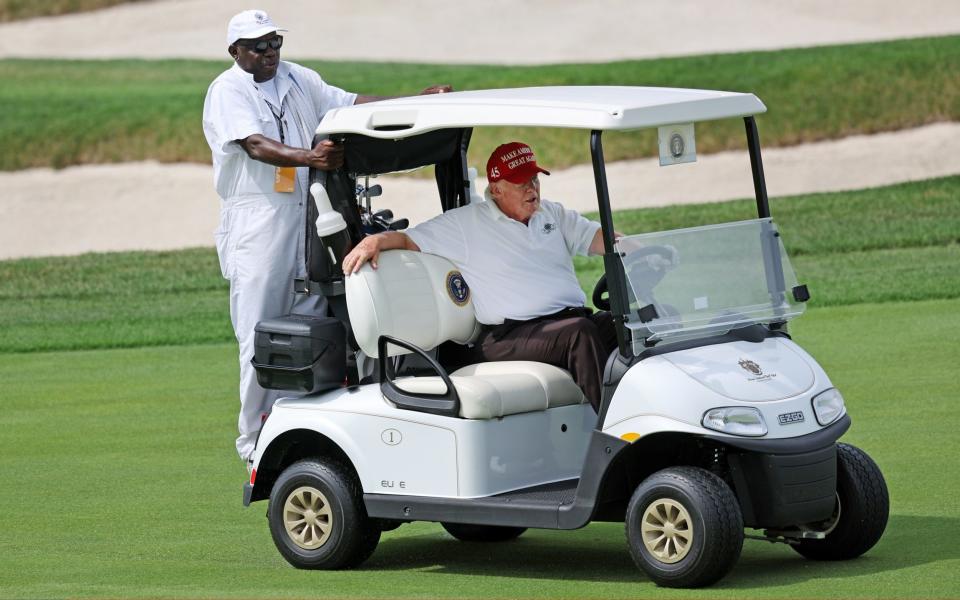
(577, 107)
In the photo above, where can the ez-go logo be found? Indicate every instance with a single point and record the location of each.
(789, 418)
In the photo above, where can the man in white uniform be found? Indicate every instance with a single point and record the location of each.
(515, 251)
(259, 117)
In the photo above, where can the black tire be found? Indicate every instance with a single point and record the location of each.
(864, 509)
(483, 533)
(332, 489)
(713, 524)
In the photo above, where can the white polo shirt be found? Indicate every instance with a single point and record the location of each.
(514, 271)
(236, 108)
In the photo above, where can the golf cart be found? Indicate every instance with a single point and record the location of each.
(712, 419)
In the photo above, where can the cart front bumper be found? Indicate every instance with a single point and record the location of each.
(789, 482)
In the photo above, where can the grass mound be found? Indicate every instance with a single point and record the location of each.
(15, 10)
(74, 112)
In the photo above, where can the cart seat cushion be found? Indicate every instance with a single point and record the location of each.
(416, 297)
(497, 389)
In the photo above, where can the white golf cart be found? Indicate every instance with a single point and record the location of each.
(712, 419)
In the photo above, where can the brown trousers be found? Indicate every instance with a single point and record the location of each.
(573, 339)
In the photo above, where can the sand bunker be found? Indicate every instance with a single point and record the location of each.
(149, 206)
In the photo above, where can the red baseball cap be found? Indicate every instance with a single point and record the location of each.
(514, 162)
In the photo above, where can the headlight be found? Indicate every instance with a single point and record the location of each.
(736, 420)
(828, 406)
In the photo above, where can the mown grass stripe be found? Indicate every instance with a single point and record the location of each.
(911, 214)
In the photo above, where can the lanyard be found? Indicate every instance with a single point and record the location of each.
(279, 119)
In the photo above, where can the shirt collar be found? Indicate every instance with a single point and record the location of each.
(498, 214)
(495, 210)
(283, 77)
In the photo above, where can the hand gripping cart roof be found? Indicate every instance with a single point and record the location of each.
(712, 419)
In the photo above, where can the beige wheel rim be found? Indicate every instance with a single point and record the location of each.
(307, 517)
(667, 530)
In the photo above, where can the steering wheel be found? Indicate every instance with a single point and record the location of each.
(601, 288)
(667, 256)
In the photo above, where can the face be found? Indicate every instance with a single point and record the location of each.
(262, 65)
(517, 200)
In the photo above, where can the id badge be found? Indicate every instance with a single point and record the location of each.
(285, 179)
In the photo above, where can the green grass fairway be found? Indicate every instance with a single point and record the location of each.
(119, 477)
(119, 480)
(58, 113)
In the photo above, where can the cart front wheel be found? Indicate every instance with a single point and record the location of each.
(684, 527)
(863, 506)
(317, 518)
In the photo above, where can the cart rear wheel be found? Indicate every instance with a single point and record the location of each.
(684, 527)
(483, 533)
(863, 507)
(317, 518)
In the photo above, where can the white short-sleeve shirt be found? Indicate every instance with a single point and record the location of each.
(515, 271)
(236, 108)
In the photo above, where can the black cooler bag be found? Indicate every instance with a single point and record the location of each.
(300, 353)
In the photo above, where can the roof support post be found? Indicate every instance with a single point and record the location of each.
(756, 166)
(616, 281)
(773, 264)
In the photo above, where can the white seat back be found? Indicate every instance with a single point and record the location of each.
(417, 297)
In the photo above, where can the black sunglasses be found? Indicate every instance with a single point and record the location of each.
(261, 46)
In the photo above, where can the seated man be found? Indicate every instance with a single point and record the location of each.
(515, 252)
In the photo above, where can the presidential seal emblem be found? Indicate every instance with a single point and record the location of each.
(676, 145)
(457, 288)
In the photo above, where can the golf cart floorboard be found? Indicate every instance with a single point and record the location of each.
(536, 506)
(548, 493)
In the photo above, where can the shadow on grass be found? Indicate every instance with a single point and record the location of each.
(600, 555)
(908, 542)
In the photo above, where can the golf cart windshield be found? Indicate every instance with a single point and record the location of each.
(703, 281)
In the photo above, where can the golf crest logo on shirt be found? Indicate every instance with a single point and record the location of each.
(457, 288)
(549, 227)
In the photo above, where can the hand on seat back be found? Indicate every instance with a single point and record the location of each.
(370, 247)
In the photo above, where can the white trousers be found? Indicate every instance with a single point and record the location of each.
(260, 245)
